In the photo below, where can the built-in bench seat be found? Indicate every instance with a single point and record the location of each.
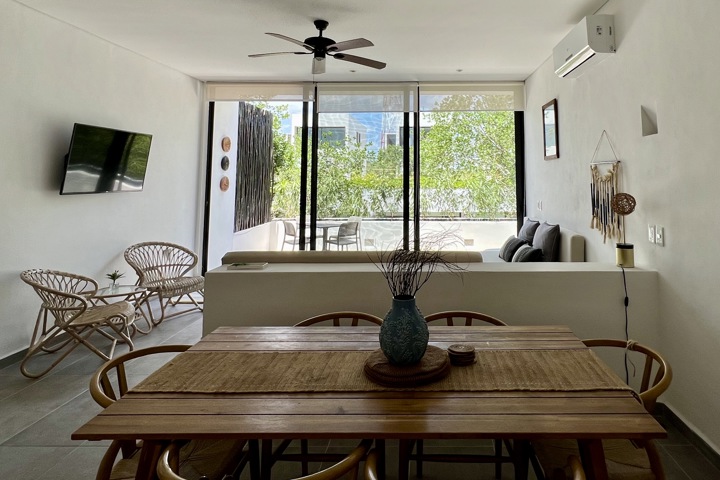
(319, 256)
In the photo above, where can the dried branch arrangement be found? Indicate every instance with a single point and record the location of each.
(406, 271)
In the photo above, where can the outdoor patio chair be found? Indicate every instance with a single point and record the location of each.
(163, 269)
(67, 319)
(348, 234)
(212, 458)
(624, 459)
(291, 235)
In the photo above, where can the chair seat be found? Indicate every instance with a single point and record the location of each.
(211, 458)
(623, 459)
(101, 313)
(342, 240)
(171, 287)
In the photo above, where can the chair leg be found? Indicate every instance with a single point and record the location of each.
(419, 466)
(304, 453)
(498, 458)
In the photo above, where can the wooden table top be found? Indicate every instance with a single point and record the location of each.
(381, 415)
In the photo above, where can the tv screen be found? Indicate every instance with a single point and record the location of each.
(105, 160)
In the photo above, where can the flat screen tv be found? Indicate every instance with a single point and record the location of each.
(104, 160)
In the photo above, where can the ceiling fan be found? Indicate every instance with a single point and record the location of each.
(321, 47)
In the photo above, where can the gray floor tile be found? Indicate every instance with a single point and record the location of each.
(31, 462)
(81, 463)
(692, 462)
(52, 430)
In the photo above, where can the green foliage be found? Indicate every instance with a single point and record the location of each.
(467, 165)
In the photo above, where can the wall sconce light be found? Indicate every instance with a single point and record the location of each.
(624, 204)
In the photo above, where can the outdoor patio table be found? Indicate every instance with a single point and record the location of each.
(228, 386)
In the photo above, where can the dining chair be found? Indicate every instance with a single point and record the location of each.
(212, 458)
(350, 464)
(291, 235)
(466, 318)
(348, 234)
(625, 459)
(336, 319)
(67, 319)
(341, 318)
(164, 270)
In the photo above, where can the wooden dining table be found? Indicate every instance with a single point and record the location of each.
(231, 385)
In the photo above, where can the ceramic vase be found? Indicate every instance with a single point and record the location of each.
(404, 333)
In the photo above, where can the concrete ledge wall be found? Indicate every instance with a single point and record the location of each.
(588, 297)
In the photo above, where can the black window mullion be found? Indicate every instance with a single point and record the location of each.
(314, 173)
(303, 173)
(406, 183)
(520, 167)
(416, 171)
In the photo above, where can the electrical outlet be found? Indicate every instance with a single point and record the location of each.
(659, 235)
(539, 205)
(651, 233)
(469, 242)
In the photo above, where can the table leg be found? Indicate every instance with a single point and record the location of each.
(266, 455)
(380, 448)
(521, 458)
(139, 302)
(404, 459)
(325, 238)
(593, 459)
(254, 463)
(149, 457)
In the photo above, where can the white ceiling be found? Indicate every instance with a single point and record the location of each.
(420, 40)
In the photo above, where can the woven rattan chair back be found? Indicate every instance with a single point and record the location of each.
(65, 309)
(337, 319)
(163, 269)
(466, 317)
(656, 373)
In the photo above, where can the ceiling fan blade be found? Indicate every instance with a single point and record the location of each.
(318, 65)
(361, 60)
(348, 44)
(296, 42)
(255, 55)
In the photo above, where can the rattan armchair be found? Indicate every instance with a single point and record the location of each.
(67, 319)
(624, 459)
(195, 458)
(452, 318)
(163, 268)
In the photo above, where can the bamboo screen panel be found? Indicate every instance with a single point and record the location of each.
(253, 197)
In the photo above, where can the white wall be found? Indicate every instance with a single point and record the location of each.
(222, 204)
(53, 75)
(666, 62)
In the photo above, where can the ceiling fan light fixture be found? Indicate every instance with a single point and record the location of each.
(318, 65)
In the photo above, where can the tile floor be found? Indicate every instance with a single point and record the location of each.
(38, 416)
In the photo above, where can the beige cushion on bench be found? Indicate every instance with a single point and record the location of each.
(318, 256)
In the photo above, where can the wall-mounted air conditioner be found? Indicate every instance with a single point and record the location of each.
(588, 42)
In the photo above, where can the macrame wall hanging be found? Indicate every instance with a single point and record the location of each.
(603, 187)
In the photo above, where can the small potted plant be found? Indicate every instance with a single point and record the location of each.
(114, 276)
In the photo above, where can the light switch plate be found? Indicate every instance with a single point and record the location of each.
(659, 235)
(651, 233)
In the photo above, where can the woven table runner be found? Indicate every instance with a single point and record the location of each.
(264, 372)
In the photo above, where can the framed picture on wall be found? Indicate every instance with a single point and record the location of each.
(550, 130)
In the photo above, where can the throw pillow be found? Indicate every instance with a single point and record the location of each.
(527, 231)
(510, 247)
(547, 239)
(528, 255)
(519, 251)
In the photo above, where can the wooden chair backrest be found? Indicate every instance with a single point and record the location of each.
(469, 318)
(657, 373)
(337, 319)
(102, 389)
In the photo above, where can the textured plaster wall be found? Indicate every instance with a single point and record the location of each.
(665, 62)
(52, 76)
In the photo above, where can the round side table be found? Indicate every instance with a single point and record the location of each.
(130, 293)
